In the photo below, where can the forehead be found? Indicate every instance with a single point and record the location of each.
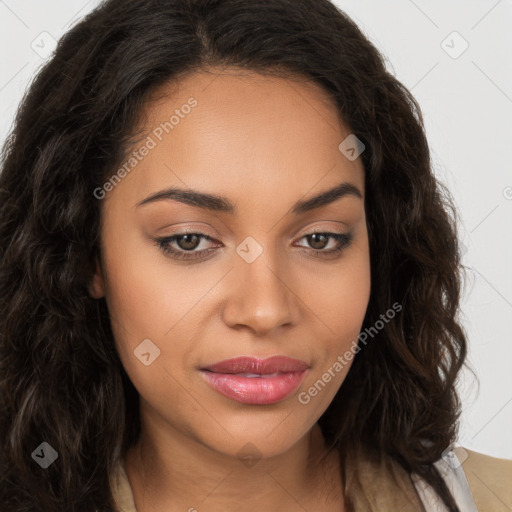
(231, 130)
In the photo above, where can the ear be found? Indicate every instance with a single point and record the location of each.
(97, 285)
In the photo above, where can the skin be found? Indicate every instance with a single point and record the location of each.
(263, 143)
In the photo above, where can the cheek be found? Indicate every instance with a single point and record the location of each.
(132, 299)
(145, 314)
(341, 307)
(147, 293)
(139, 306)
(147, 301)
(340, 297)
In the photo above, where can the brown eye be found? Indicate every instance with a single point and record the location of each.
(318, 240)
(188, 242)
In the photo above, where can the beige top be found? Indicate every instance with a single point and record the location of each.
(479, 483)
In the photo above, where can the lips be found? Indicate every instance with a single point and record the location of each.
(251, 365)
(253, 381)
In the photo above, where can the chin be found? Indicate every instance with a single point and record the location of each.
(258, 439)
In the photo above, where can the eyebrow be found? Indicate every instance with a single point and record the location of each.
(221, 204)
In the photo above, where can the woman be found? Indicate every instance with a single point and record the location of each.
(229, 278)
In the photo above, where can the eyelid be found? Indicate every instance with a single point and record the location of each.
(342, 240)
(192, 230)
(189, 230)
(322, 228)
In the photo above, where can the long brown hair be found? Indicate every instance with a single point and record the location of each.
(61, 379)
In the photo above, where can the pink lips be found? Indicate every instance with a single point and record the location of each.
(255, 381)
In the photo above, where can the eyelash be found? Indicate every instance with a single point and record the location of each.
(343, 239)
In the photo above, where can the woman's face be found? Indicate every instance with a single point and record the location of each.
(263, 285)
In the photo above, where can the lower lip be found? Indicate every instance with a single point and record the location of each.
(256, 390)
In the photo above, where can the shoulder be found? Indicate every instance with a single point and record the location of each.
(490, 479)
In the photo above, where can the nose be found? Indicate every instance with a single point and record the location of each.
(261, 296)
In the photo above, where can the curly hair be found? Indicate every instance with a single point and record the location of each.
(60, 375)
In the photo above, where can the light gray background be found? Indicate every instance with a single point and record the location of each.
(467, 103)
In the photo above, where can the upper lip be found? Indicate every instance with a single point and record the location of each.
(247, 364)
